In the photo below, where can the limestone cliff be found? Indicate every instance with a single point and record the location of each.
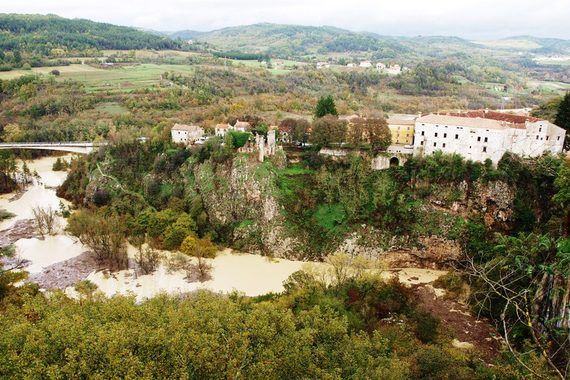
(240, 196)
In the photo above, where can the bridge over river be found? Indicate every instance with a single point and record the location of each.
(81, 147)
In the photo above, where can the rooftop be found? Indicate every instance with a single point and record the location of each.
(185, 127)
(242, 124)
(494, 115)
(402, 119)
(468, 121)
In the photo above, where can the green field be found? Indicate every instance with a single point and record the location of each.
(549, 87)
(111, 108)
(113, 79)
(512, 44)
(126, 78)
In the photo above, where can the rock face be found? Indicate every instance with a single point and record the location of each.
(429, 251)
(492, 200)
(242, 195)
(495, 201)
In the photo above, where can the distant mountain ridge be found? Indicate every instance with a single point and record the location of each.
(43, 33)
(287, 40)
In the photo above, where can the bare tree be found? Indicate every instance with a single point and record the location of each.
(147, 258)
(46, 219)
(526, 306)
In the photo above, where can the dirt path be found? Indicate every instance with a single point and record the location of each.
(457, 318)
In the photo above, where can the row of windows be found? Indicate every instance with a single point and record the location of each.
(486, 139)
(443, 146)
(437, 125)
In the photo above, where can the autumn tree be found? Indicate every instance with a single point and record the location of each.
(328, 131)
(373, 132)
(103, 234)
(379, 135)
(325, 106)
(201, 249)
(298, 129)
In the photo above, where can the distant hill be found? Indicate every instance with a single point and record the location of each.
(531, 44)
(295, 40)
(288, 40)
(185, 35)
(39, 34)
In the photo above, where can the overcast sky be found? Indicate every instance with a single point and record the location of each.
(474, 19)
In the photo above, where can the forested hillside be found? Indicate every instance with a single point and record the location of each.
(41, 34)
(297, 40)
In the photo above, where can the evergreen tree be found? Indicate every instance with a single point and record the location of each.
(563, 118)
(325, 106)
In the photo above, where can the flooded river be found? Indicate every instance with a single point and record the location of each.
(249, 274)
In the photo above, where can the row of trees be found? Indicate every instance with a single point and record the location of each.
(327, 130)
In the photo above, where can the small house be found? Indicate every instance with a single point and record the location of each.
(220, 130)
(241, 126)
(186, 134)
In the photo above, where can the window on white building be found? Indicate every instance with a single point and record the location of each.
(436, 134)
(486, 139)
(484, 149)
(423, 133)
(445, 135)
(539, 129)
(547, 138)
(479, 138)
(558, 138)
(456, 137)
(434, 145)
(537, 137)
(444, 145)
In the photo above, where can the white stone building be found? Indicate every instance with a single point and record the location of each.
(186, 134)
(241, 126)
(220, 130)
(323, 65)
(482, 135)
(365, 64)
